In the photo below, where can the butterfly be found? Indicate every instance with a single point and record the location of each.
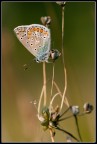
(36, 39)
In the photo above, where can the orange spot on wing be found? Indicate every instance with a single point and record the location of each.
(41, 30)
(29, 32)
(46, 33)
(34, 29)
(37, 29)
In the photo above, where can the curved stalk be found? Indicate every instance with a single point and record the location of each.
(68, 133)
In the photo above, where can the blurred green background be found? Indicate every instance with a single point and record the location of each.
(19, 117)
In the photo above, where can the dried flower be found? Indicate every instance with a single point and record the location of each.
(46, 21)
(61, 3)
(88, 108)
(75, 110)
(68, 139)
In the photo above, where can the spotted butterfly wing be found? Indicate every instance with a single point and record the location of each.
(36, 39)
(21, 34)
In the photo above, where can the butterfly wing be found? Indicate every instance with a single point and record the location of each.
(35, 38)
(21, 33)
(39, 40)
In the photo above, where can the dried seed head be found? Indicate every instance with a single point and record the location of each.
(61, 3)
(75, 109)
(68, 139)
(46, 20)
(88, 108)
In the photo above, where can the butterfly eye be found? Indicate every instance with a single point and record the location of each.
(35, 49)
(21, 38)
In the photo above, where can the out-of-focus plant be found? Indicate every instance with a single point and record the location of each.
(51, 117)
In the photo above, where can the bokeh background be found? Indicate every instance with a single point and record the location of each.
(19, 121)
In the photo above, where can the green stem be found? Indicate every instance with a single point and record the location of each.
(65, 118)
(76, 120)
(64, 112)
(68, 133)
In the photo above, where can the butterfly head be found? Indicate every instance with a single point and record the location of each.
(54, 54)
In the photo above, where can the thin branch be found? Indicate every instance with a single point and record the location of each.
(66, 118)
(64, 90)
(40, 99)
(69, 116)
(76, 121)
(57, 88)
(44, 82)
(63, 36)
(82, 114)
(53, 100)
(68, 133)
(65, 112)
(51, 134)
(60, 93)
(65, 76)
(52, 79)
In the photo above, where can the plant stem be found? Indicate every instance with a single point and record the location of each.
(63, 36)
(52, 79)
(65, 118)
(65, 100)
(65, 112)
(52, 137)
(40, 99)
(53, 100)
(67, 133)
(76, 121)
(64, 89)
(65, 76)
(44, 82)
(43, 88)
